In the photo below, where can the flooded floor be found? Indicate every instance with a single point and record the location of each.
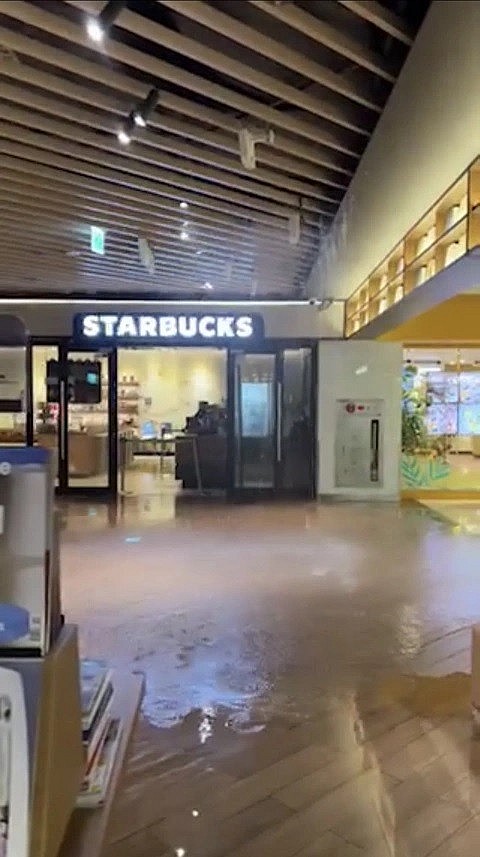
(305, 666)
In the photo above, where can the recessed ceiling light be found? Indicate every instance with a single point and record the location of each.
(184, 236)
(207, 286)
(98, 26)
(143, 112)
(184, 204)
(95, 30)
(124, 137)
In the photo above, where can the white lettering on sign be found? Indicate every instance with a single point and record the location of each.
(206, 326)
(109, 322)
(125, 326)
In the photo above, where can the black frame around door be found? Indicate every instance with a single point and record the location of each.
(278, 487)
(64, 350)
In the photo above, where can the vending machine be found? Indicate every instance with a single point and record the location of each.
(359, 443)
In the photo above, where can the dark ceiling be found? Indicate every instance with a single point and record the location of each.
(300, 84)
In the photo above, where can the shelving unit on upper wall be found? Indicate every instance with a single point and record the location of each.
(447, 231)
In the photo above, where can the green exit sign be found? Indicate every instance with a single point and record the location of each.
(97, 240)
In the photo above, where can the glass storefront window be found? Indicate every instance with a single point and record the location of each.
(171, 419)
(441, 419)
(12, 395)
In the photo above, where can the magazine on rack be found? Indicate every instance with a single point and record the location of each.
(14, 777)
(96, 782)
(5, 768)
(26, 542)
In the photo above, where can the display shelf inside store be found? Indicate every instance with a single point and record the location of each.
(474, 206)
(444, 215)
(377, 293)
(391, 294)
(446, 250)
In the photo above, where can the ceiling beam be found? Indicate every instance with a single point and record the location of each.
(380, 17)
(173, 185)
(175, 172)
(219, 142)
(262, 181)
(255, 40)
(228, 65)
(133, 90)
(35, 162)
(59, 207)
(119, 258)
(328, 36)
(40, 256)
(160, 70)
(34, 184)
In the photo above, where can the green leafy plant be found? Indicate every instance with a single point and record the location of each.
(414, 406)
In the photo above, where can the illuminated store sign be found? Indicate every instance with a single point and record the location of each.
(162, 328)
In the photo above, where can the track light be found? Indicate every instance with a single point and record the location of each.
(142, 114)
(98, 26)
(124, 135)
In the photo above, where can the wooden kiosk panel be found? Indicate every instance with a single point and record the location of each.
(58, 766)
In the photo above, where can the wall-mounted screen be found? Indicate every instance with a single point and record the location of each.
(442, 387)
(441, 419)
(469, 419)
(84, 381)
(470, 388)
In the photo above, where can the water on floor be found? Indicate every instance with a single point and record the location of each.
(306, 687)
(463, 514)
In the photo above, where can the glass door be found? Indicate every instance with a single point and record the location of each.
(73, 407)
(297, 426)
(46, 411)
(273, 425)
(86, 444)
(255, 439)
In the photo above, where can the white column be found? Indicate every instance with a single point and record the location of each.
(365, 375)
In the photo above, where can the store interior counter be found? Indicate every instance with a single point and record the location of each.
(88, 452)
(212, 460)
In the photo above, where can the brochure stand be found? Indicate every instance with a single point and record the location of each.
(86, 833)
(42, 761)
(47, 755)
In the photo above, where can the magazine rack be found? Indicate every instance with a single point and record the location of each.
(51, 757)
(87, 831)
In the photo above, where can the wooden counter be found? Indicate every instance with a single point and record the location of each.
(87, 452)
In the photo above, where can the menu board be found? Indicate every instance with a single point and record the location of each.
(469, 419)
(442, 387)
(470, 388)
(441, 419)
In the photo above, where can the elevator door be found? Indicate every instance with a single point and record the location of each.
(273, 426)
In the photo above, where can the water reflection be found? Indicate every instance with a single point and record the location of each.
(280, 647)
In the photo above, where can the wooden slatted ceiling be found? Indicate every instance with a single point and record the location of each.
(305, 70)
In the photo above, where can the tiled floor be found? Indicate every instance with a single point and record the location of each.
(306, 667)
